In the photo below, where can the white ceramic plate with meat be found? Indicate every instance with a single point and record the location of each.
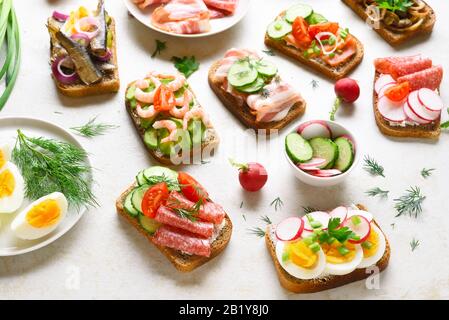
(10, 245)
(217, 25)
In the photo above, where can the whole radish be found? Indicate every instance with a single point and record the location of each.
(252, 175)
(347, 90)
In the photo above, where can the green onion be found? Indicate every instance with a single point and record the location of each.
(285, 257)
(331, 55)
(308, 241)
(367, 245)
(316, 50)
(316, 224)
(331, 240)
(309, 218)
(315, 247)
(331, 40)
(356, 220)
(343, 250)
(344, 33)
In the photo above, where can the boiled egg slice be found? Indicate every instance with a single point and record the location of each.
(373, 248)
(340, 264)
(41, 217)
(299, 261)
(5, 154)
(11, 188)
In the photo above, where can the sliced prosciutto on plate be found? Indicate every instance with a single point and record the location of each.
(227, 6)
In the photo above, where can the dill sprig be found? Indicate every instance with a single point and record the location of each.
(190, 213)
(414, 244)
(160, 46)
(308, 210)
(92, 129)
(410, 203)
(425, 173)
(171, 184)
(315, 84)
(377, 192)
(49, 165)
(266, 219)
(269, 52)
(373, 167)
(277, 203)
(259, 232)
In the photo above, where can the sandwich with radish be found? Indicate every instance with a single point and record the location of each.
(406, 97)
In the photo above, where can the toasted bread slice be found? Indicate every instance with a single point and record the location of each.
(211, 143)
(395, 38)
(320, 284)
(242, 111)
(426, 131)
(109, 84)
(183, 262)
(316, 64)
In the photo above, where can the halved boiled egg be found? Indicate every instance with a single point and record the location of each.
(5, 154)
(299, 260)
(41, 217)
(342, 259)
(373, 247)
(11, 188)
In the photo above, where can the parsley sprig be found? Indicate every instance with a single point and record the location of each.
(395, 5)
(160, 46)
(186, 65)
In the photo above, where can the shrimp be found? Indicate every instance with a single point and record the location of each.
(183, 102)
(178, 80)
(170, 126)
(196, 113)
(147, 113)
(146, 97)
(142, 84)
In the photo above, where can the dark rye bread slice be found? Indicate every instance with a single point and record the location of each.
(109, 84)
(181, 261)
(211, 142)
(296, 285)
(242, 111)
(392, 37)
(317, 64)
(427, 131)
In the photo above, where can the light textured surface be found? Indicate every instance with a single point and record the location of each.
(111, 260)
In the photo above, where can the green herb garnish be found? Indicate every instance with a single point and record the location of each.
(241, 205)
(395, 5)
(308, 210)
(269, 52)
(186, 65)
(414, 244)
(315, 84)
(335, 232)
(266, 219)
(373, 167)
(277, 203)
(425, 173)
(259, 232)
(410, 203)
(190, 213)
(160, 46)
(92, 129)
(377, 192)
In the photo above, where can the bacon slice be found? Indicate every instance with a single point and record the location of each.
(229, 6)
(166, 216)
(142, 4)
(177, 239)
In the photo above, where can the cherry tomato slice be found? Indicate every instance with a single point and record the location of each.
(164, 99)
(300, 32)
(331, 27)
(398, 92)
(191, 188)
(156, 196)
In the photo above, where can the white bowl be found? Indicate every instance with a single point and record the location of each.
(337, 131)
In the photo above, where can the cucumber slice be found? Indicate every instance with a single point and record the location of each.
(137, 196)
(130, 94)
(160, 172)
(141, 180)
(279, 29)
(316, 18)
(298, 10)
(266, 68)
(345, 154)
(150, 138)
(150, 225)
(298, 149)
(197, 131)
(129, 206)
(253, 87)
(326, 149)
(242, 73)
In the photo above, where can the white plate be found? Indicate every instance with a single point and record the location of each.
(9, 244)
(217, 25)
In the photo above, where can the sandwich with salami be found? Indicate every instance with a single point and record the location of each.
(175, 213)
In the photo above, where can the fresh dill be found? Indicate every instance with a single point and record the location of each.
(266, 219)
(171, 184)
(190, 213)
(377, 192)
(244, 217)
(373, 167)
(308, 210)
(277, 203)
(269, 52)
(92, 128)
(315, 84)
(160, 46)
(414, 244)
(259, 232)
(410, 203)
(393, 225)
(425, 173)
(241, 205)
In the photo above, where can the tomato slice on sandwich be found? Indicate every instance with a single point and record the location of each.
(155, 197)
(331, 27)
(300, 32)
(164, 99)
(191, 188)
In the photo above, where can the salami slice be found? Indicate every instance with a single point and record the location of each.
(384, 65)
(177, 239)
(429, 78)
(166, 216)
(402, 69)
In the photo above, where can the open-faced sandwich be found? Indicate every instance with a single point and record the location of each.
(170, 120)
(310, 38)
(324, 250)
(83, 52)
(252, 89)
(397, 21)
(174, 212)
(406, 97)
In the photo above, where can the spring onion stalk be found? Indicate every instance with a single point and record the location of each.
(10, 38)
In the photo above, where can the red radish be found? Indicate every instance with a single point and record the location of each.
(326, 173)
(314, 128)
(350, 139)
(290, 229)
(430, 99)
(318, 216)
(419, 110)
(347, 90)
(390, 110)
(360, 226)
(383, 81)
(312, 165)
(339, 212)
(367, 215)
(412, 116)
(252, 175)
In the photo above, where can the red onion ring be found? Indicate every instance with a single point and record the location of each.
(81, 38)
(60, 16)
(59, 75)
(87, 21)
(106, 57)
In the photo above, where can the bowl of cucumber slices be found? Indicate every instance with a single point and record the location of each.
(321, 153)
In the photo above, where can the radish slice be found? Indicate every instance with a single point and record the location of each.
(367, 215)
(360, 226)
(314, 128)
(430, 99)
(290, 229)
(419, 110)
(340, 213)
(391, 110)
(383, 80)
(312, 165)
(326, 173)
(384, 89)
(412, 116)
(318, 216)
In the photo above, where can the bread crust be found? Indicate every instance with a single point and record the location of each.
(393, 38)
(240, 109)
(334, 73)
(296, 285)
(429, 131)
(110, 84)
(182, 262)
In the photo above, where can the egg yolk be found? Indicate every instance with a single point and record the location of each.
(2, 159)
(301, 255)
(334, 256)
(44, 214)
(82, 12)
(7, 184)
(373, 239)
